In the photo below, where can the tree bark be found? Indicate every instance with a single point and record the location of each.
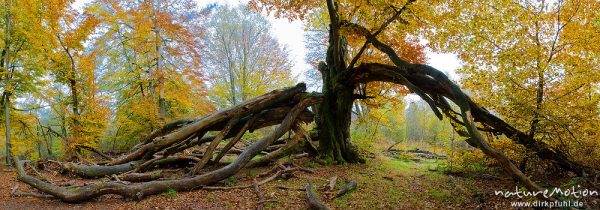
(335, 111)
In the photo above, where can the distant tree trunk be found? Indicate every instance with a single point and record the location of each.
(74, 104)
(7, 124)
(336, 109)
(162, 109)
(47, 139)
(6, 91)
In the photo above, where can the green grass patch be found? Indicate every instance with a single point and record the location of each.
(170, 193)
(231, 181)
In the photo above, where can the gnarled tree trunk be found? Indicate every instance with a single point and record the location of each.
(334, 113)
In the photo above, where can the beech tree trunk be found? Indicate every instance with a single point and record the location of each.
(334, 118)
(334, 113)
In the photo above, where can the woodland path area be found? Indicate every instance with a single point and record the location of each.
(383, 183)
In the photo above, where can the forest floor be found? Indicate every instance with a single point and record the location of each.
(383, 183)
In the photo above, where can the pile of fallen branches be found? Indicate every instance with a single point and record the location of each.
(139, 172)
(416, 152)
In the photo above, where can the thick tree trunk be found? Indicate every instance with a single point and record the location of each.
(334, 119)
(334, 113)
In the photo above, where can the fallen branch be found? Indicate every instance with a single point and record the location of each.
(251, 106)
(91, 149)
(313, 202)
(142, 177)
(349, 187)
(14, 193)
(94, 171)
(237, 138)
(208, 154)
(261, 198)
(286, 149)
(140, 190)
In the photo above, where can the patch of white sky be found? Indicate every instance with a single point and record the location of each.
(291, 35)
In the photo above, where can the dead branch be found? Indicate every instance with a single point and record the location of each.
(94, 171)
(261, 198)
(286, 149)
(314, 202)
(349, 187)
(279, 174)
(142, 177)
(14, 193)
(208, 154)
(248, 107)
(237, 138)
(91, 149)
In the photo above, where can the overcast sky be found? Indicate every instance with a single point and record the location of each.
(291, 34)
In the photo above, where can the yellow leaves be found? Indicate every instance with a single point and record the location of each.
(511, 48)
(23, 132)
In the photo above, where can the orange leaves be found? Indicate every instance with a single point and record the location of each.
(293, 10)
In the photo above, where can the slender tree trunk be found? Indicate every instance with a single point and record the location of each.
(7, 124)
(74, 101)
(6, 91)
(232, 83)
(539, 99)
(162, 109)
(75, 106)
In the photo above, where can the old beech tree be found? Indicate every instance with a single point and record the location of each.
(287, 108)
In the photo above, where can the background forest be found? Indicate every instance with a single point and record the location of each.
(104, 75)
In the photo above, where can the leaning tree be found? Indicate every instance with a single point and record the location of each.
(135, 172)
